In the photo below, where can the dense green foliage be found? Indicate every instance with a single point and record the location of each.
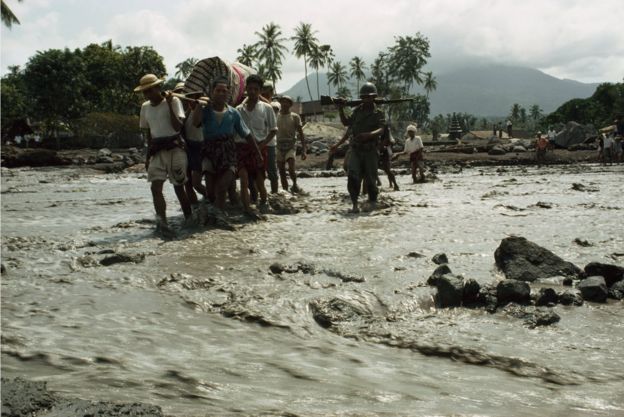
(600, 109)
(57, 86)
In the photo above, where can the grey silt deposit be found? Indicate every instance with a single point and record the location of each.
(316, 311)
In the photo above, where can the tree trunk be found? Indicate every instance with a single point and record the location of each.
(305, 66)
(318, 88)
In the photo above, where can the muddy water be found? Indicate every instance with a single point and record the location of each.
(201, 326)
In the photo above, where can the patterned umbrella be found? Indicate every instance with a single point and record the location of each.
(207, 70)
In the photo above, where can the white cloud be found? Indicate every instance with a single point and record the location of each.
(569, 38)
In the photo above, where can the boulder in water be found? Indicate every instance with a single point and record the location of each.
(440, 259)
(437, 273)
(450, 291)
(546, 296)
(471, 292)
(611, 273)
(122, 258)
(523, 260)
(513, 291)
(568, 298)
(594, 289)
(617, 291)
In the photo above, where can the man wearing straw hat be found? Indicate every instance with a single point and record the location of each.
(161, 120)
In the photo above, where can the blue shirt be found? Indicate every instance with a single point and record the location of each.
(230, 124)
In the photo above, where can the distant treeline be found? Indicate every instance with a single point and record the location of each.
(600, 109)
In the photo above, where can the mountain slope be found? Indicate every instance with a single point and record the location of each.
(487, 90)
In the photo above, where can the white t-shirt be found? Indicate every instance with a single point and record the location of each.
(608, 142)
(261, 120)
(157, 118)
(413, 145)
(193, 133)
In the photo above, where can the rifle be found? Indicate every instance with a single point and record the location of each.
(327, 101)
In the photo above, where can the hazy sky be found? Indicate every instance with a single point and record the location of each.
(581, 40)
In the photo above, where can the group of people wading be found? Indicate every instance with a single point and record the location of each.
(206, 138)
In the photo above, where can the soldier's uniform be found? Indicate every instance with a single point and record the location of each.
(363, 157)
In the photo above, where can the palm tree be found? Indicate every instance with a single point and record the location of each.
(536, 112)
(407, 57)
(271, 50)
(515, 112)
(344, 92)
(8, 17)
(246, 55)
(337, 74)
(305, 43)
(329, 59)
(357, 70)
(430, 83)
(185, 68)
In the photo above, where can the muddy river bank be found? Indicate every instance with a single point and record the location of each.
(101, 309)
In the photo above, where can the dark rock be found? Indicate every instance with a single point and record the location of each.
(611, 273)
(617, 291)
(24, 398)
(511, 290)
(568, 298)
(3, 269)
(21, 398)
(568, 281)
(523, 260)
(581, 187)
(497, 150)
(31, 157)
(532, 316)
(122, 258)
(450, 290)
(543, 317)
(583, 243)
(336, 310)
(544, 205)
(277, 268)
(471, 292)
(439, 271)
(594, 289)
(546, 296)
(573, 134)
(488, 298)
(281, 205)
(440, 259)
(415, 255)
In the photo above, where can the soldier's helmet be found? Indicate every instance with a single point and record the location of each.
(368, 89)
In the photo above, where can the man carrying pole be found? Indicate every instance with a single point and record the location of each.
(161, 120)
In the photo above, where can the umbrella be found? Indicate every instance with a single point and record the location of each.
(208, 69)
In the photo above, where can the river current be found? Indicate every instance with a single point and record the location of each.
(200, 326)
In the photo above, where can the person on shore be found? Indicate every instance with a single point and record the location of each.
(541, 146)
(500, 131)
(288, 128)
(509, 128)
(194, 140)
(551, 138)
(415, 149)
(220, 122)
(161, 120)
(607, 149)
(493, 129)
(367, 123)
(260, 118)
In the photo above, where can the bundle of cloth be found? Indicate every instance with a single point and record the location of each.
(208, 69)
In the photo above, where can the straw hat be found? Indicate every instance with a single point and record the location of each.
(412, 128)
(178, 87)
(148, 81)
(276, 105)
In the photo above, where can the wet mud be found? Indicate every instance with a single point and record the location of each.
(311, 310)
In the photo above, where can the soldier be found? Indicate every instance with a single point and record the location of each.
(367, 123)
(161, 120)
